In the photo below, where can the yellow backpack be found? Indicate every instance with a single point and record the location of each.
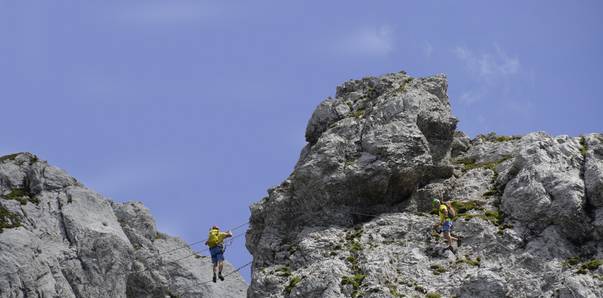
(213, 238)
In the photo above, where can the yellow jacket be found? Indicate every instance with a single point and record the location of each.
(444, 214)
(215, 237)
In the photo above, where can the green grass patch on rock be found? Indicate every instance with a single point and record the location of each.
(493, 137)
(591, 265)
(494, 191)
(354, 280)
(437, 269)
(283, 271)
(353, 240)
(8, 220)
(463, 207)
(470, 164)
(583, 146)
(393, 290)
(358, 113)
(433, 295)
(9, 157)
(505, 138)
(18, 194)
(353, 260)
(292, 284)
(22, 196)
(471, 262)
(355, 234)
(494, 216)
(13, 156)
(502, 228)
(160, 235)
(494, 220)
(571, 262)
(354, 248)
(402, 87)
(585, 267)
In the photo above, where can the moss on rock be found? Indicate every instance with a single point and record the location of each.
(22, 196)
(8, 219)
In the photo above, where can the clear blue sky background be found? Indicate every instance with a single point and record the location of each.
(197, 107)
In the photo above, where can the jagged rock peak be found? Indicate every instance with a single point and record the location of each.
(60, 239)
(354, 219)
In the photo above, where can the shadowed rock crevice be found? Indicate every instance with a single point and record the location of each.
(439, 134)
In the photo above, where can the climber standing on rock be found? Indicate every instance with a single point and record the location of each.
(446, 213)
(215, 241)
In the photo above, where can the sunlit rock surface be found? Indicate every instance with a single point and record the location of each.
(354, 218)
(60, 239)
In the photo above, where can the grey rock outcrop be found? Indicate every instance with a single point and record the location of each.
(60, 239)
(354, 219)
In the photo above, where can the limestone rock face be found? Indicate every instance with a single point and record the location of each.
(354, 219)
(60, 239)
(548, 187)
(593, 169)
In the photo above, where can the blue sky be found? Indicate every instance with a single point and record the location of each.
(197, 107)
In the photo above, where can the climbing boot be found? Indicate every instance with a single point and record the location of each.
(221, 277)
(214, 279)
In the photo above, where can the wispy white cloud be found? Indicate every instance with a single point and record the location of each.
(488, 64)
(366, 41)
(427, 49)
(491, 71)
(471, 96)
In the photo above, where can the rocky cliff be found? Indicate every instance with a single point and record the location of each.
(354, 219)
(60, 239)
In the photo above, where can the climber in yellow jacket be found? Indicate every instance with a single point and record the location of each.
(446, 213)
(215, 241)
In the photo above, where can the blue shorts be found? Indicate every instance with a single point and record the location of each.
(447, 226)
(217, 253)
